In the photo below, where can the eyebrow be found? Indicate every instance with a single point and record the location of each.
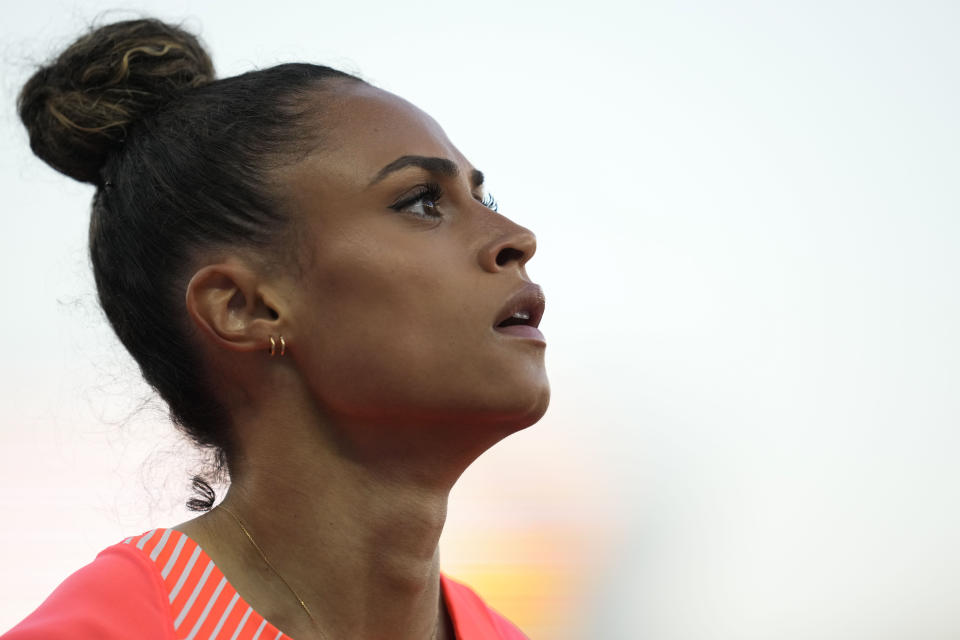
(440, 166)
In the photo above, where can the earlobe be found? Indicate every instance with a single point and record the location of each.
(228, 305)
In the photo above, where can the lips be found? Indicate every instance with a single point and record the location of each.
(521, 315)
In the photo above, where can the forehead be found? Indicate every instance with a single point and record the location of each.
(367, 128)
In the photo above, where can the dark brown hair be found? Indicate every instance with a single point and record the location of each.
(181, 163)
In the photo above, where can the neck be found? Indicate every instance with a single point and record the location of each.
(366, 567)
(349, 515)
(358, 544)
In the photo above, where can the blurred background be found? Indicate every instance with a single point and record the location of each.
(749, 233)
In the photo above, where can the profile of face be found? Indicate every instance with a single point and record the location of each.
(401, 314)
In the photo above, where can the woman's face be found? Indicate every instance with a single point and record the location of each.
(406, 276)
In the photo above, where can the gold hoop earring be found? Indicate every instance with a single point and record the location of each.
(283, 345)
(273, 347)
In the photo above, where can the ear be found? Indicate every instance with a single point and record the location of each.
(233, 306)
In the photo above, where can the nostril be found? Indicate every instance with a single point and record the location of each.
(508, 255)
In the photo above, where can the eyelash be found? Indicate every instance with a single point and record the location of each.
(429, 192)
(432, 192)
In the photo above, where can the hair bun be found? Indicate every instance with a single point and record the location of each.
(79, 108)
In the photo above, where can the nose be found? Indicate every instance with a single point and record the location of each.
(512, 245)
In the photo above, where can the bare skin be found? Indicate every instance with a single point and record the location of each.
(395, 378)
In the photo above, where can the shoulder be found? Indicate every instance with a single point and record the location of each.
(473, 618)
(118, 595)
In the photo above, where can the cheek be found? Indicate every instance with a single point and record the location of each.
(392, 337)
(383, 325)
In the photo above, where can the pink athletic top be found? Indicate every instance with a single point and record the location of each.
(162, 586)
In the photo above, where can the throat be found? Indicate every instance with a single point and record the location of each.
(362, 555)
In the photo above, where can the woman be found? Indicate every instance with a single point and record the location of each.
(313, 278)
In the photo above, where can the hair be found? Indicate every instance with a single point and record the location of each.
(181, 163)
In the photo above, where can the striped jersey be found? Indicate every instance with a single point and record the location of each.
(161, 585)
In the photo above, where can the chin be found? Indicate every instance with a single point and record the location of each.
(537, 408)
(526, 410)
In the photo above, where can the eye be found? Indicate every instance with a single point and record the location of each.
(422, 201)
(490, 203)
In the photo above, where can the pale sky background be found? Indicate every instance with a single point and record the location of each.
(748, 217)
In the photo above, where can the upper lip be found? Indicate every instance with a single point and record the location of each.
(529, 300)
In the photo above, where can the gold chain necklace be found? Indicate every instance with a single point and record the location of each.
(263, 556)
(274, 569)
